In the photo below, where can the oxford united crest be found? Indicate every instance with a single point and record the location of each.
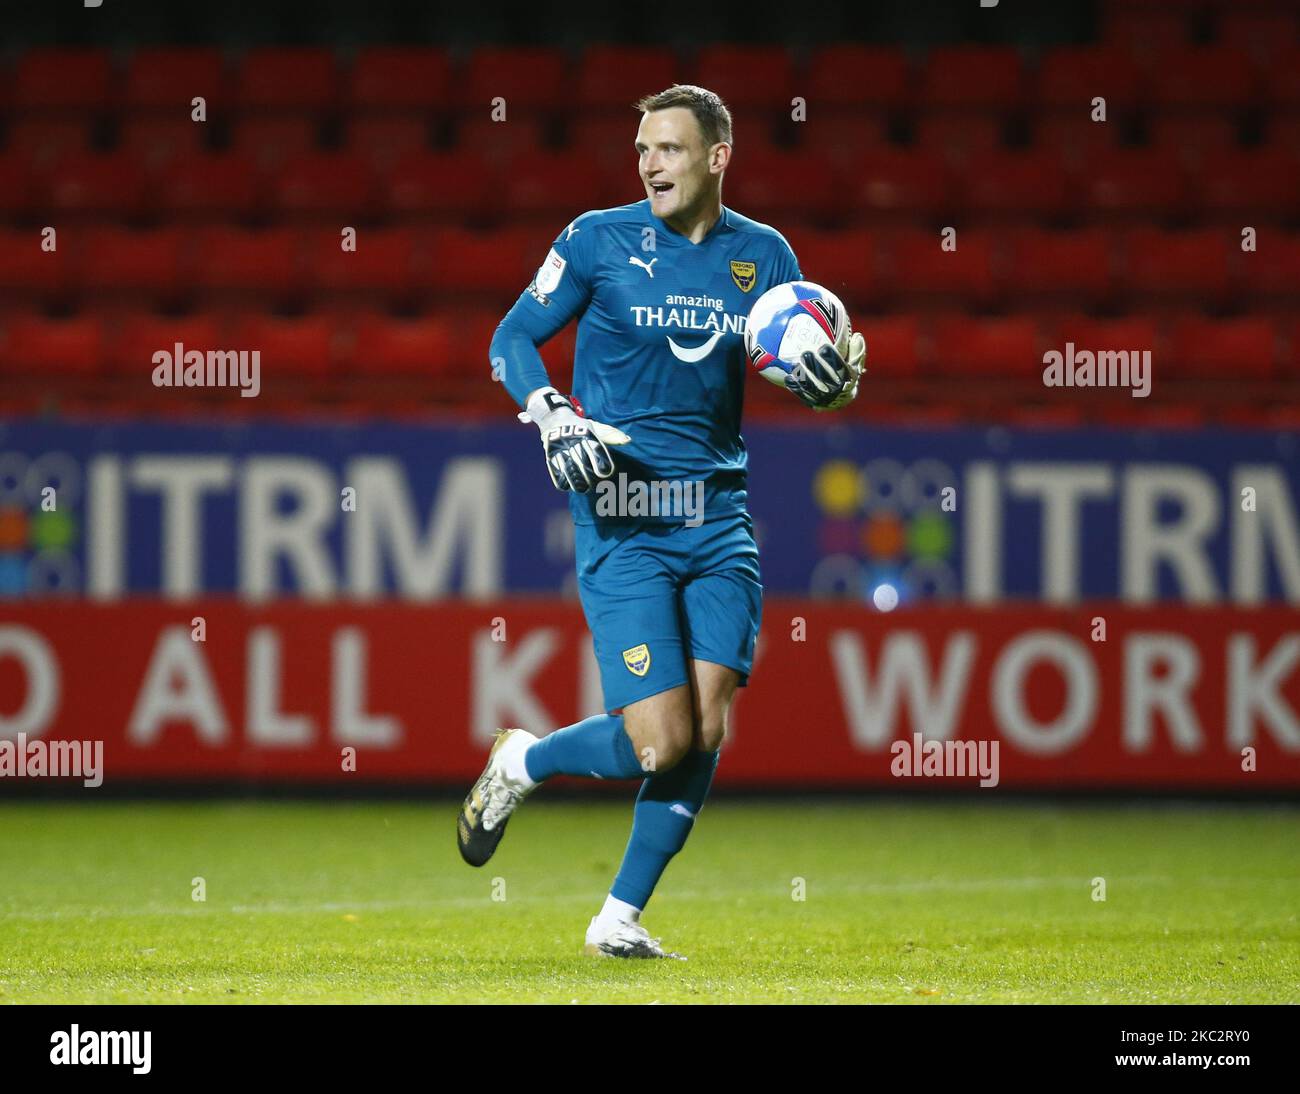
(637, 659)
(743, 274)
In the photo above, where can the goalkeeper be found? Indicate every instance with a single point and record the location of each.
(660, 288)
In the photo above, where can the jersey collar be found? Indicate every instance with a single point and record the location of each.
(722, 224)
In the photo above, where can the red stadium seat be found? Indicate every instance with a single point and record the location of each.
(137, 336)
(529, 79)
(1146, 33)
(113, 183)
(842, 137)
(385, 141)
(17, 186)
(169, 79)
(1291, 362)
(442, 184)
(34, 344)
(1223, 348)
(892, 345)
(856, 76)
(273, 141)
(770, 183)
(224, 184)
(613, 77)
(959, 137)
(1016, 185)
(383, 263)
(62, 79)
(303, 79)
(29, 270)
(399, 78)
(746, 76)
(117, 260)
(607, 141)
(1133, 333)
(889, 183)
(758, 142)
(553, 184)
(1134, 183)
(1207, 77)
(1251, 183)
(1282, 86)
(504, 142)
(40, 142)
(1261, 35)
(1046, 265)
(1071, 77)
(1194, 138)
(500, 263)
(404, 346)
(235, 260)
(972, 78)
(988, 347)
(1075, 138)
(920, 269)
(1284, 134)
(843, 261)
(303, 345)
(325, 184)
(1283, 417)
(1273, 269)
(1160, 265)
(157, 142)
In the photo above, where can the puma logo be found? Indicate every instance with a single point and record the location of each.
(633, 260)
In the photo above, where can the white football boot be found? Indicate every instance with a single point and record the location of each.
(619, 938)
(494, 797)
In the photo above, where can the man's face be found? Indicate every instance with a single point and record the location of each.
(674, 161)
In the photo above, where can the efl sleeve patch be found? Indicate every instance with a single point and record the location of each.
(550, 272)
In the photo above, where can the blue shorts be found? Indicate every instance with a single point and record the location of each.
(658, 595)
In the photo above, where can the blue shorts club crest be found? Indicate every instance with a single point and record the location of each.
(658, 595)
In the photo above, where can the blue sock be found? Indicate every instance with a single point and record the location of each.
(596, 746)
(661, 820)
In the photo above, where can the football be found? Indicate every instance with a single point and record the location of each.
(789, 319)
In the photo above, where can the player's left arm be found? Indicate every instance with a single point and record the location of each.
(824, 380)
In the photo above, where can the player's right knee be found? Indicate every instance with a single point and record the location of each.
(663, 746)
(661, 729)
(673, 752)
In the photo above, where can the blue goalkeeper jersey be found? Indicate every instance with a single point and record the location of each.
(660, 346)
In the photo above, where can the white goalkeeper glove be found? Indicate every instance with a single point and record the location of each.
(826, 381)
(576, 455)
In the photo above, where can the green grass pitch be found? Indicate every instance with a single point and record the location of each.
(925, 903)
